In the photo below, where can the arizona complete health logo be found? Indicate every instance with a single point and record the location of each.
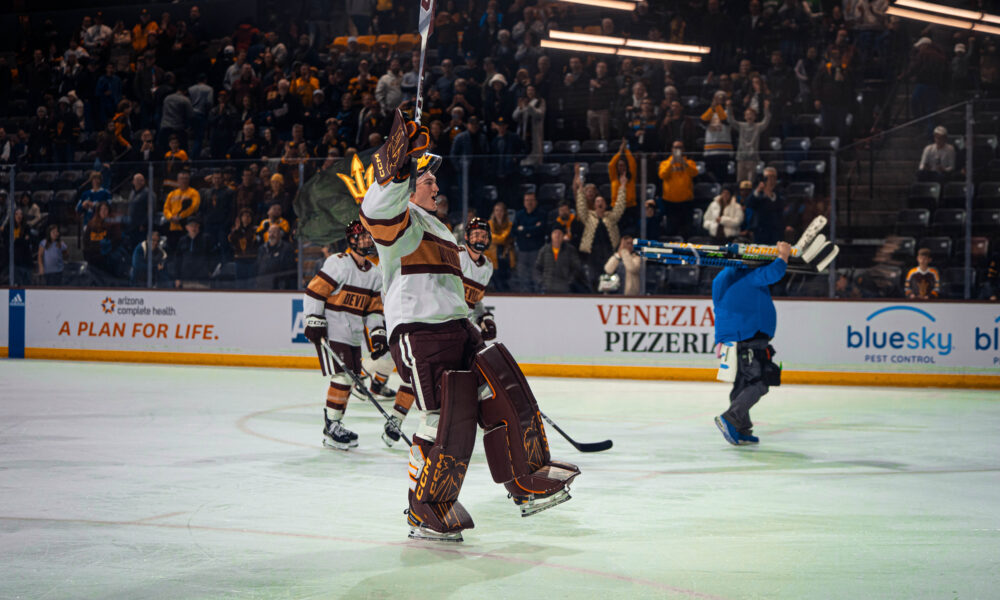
(108, 305)
(920, 335)
(298, 323)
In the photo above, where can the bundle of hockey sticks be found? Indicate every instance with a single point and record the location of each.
(813, 253)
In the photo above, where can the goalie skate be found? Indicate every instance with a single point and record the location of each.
(420, 532)
(532, 504)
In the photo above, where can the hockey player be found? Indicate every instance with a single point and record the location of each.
(476, 273)
(342, 300)
(744, 313)
(437, 349)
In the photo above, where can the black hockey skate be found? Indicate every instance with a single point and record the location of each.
(391, 434)
(380, 391)
(335, 435)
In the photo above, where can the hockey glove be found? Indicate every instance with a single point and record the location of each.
(380, 343)
(419, 141)
(488, 327)
(315, 328)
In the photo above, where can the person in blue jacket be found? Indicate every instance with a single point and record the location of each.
(744, 313)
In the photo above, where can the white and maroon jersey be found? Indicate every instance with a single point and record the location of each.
(348, 295)
(475, 276)
(421, 271)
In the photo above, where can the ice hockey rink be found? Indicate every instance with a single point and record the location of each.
(141, 481)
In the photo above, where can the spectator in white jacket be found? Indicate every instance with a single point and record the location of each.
(627, 264)
(724, 216)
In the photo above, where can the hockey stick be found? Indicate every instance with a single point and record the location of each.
(582, 447)
(360, 384)
(424, 23)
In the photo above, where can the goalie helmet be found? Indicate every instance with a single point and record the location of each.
(478, 224)
(355, 232)
(428, 163)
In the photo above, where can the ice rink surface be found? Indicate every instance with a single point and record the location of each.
(147, 482)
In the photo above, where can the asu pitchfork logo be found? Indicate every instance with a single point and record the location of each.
(108, 305)
(359, 180)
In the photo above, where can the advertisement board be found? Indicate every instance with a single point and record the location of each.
(603, 336)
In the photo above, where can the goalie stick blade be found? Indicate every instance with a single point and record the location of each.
(593, 446)
(825, 261)
(814, 248)
(811, 232)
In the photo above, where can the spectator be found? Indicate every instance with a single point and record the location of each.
(304, 85)
(678, 173)
(625, 263)
(558, 265)
(600, 234)
(23, 266)
(6, 148)
(530, 118)
(676, 126)
(138, 210)
(765, 210)
(567, 221)
(217, 206)
(504, 150)
(180, 204)
(718, 146)
(602, 95)
(624, 163)
(275, 262)
(193, 261)
(146, 152)
(98, 242)
(498, 103)
(832, 90)
(937, 163)
(140, 262)
(52, 255)
(748, 145)
(991, 287)
(529, 236)
(175, 159)
(249, 195)
(177, 116)
(654, 220)
(923, 282)
(473, 146)
(501, 250)
(644, 126)
(90, 199)
(389, 90)
(724, 217)
(274, 219)
(202, 97)
(33, 215)
(243, 245)
(248, 145)
(929, 70)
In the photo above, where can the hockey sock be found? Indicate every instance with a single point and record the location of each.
(336, 400)
(404, 400)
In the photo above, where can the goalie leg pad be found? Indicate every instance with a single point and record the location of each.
(516, 447)
(438, 466)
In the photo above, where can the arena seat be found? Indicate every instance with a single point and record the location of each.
(407, 42)
(340, 43)
(923, 194)
(953, 195)
(551, 193)
(801, 188)
(594, 147)
(986, 221)
(366, 42)
(913, 221)
(387, 39)
(949, 221)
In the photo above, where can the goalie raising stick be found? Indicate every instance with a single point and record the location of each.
(456, 380)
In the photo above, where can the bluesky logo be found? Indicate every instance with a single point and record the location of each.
(873, 337)
(987, 340)
(298, 323)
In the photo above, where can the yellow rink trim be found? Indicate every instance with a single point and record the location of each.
(531, 370)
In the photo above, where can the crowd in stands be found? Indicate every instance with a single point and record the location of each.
(235, 121)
